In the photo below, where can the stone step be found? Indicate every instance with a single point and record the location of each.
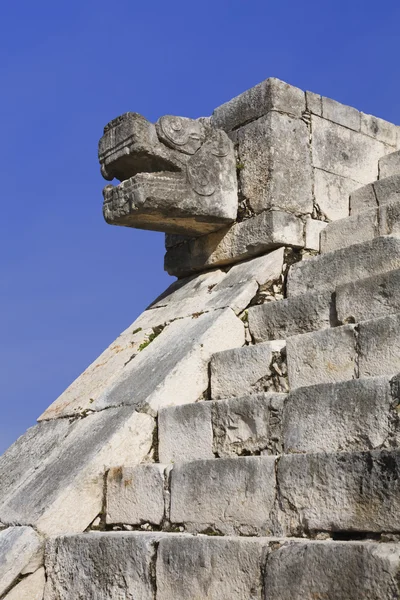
(361, 227)
(291, 494)
(354, 415)
(389, 165)
(369, 349)
(249, 370)
(327, 271)
(156, 566)
(380, 192)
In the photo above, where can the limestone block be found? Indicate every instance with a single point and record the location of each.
(334, 571)
(323, 356)
(313, 230)
(332, 193)
(244, 370)
(379, 129)
(248, 425)
(275, 154)
(30, 588)
(172, 369)
(387, 190)
(209, 567)
(185, 432)
(251, 237)
(355, 491)
(345, 152)
(135, 495)
(314, 103)
(65, 492)
(369, 298)
(194, 286)
(292, 316)
(341, 114)
(379, 346)
(345, 416)
(389, 165)
(263, 270)
(100, 566)
(359, 228)
(327, 271)
(228, 495)
(362, 199)
(271, 94)
(21, 553)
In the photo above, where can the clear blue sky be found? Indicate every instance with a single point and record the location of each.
(69, 282)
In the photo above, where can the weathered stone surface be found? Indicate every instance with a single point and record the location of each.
(30, 588)
(341, 114)
(100, 566)
(271, 94)
(379, 346)
(389, 165)
(249, 238)
(323, 356)
(135, 495)
(178, 176)
(379, 129)
(355, 491)
(356, 229)
(312, 232)
(170, 370)
(314, 103)
(345, 152)
(275, 154)
(263, 270)
(387, 190)
(230, 495)
(292, 316)
(244, 370)
(185, 432)
(21, 552)
(332, 194)
(345, 416)
(342, 266)
(64, 493)
(248, 425)
(333, 571)
(369, 298)
(209, 567)
(362, 199)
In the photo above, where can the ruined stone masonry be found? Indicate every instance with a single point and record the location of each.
(241, 439)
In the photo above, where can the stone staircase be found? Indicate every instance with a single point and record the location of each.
(285, 482)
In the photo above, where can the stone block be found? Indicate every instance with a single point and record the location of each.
(389, 165)
(345, 152)
(248, 238)
(292, 316)
(64, 493)
(275, 155)
(334, 571)
(359, 228)
(314, 103)
(379, 346)
(387, 190)
(185, 433)
(263, 270)
(325, 356)
(248, 425)
(29, 588)
(228, 495)
(209, 567)
(379, 129)
(271, 94)
(369, 298)
(100, 566)
(345, 416)
(245, 370)
(341, 114)
(313, 230)
(327, 271)
(172, 369)
(362, 199)
(347, 491)
(21, 553)
(135, 495)
(332, 194)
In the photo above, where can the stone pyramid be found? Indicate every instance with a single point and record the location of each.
(240, 439)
